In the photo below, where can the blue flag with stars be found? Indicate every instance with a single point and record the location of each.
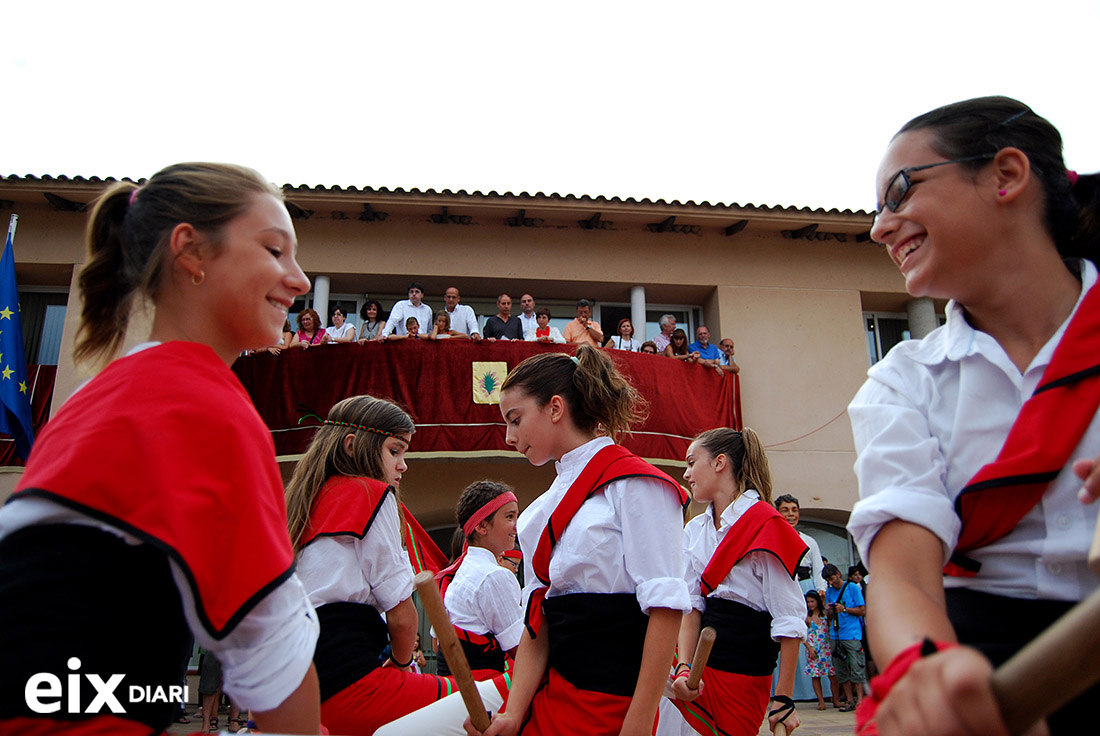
(15, 418)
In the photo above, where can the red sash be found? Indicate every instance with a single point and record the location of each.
(760, 529)
(1039, 444)
(345, 506)
(610, 464)
(424, 553)
(165, 445)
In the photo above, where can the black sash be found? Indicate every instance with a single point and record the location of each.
(744, 645)
(596, 640)
(803, 572)
(353, 636)
(74, 591)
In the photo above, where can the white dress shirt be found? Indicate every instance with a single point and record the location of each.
(816, 563)
(759, 582)
(464, 320)
(374, 570)
(931, 414)
(401, 312)
(624, 539)
(483, 598)
(528, 323)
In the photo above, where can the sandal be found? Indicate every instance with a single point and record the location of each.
(847, 707)
(183, 719)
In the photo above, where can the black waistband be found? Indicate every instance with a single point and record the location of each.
(596, 640)
(803, 572)
(75, 591)
(352, 638)
(744, 645)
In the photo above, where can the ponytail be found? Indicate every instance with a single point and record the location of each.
(747, 457)
(1086, 195)
(128, 234)
(599, 397)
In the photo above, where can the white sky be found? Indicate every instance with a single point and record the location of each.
(766, 103)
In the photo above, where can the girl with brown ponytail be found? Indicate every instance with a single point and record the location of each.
(742, 558)
(151, 507)
(603, 567)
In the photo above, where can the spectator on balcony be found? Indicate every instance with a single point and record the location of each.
(625, 339)
(309, 329)
(441, 329)
(373, 320)
(502, 325)
(412, 307)
(708, 352)
(543, 331)
(678, 348)
(528, 319)
(667, 324)
(461, 317)
(648, 347)
(584, 330)
(340, 330)
(412, 331)
(290, 339)
(727, 361)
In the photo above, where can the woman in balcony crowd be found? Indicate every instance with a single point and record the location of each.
(340, 330)
(976, 206)
(309, 329)
(625, 339)
(374, 319)
(678, 347)
(106, 561)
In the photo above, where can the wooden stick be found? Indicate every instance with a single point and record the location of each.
(780, 730)
(1057, 666)
(452, 649)
(702, 653)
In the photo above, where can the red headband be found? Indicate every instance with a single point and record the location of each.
(487, 510)
(514, 554)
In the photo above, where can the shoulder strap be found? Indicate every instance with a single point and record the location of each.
(1049, 427)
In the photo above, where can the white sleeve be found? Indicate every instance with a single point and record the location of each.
(652, 528)
(782, 597)
(817, 565)
(396, 316)
(471, 322)
(692, 576)
(899, 465)
(501, 611)
(529, 336)
(385, 565)
(266, 656)
(556, 336)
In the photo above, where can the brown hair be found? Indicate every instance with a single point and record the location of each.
(128, 234)
(326, 456)
(316, 320)
(683, 349)
(598, 396)
(746, 454)
(476, 495)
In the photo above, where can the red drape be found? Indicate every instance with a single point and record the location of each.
(434, 382)
(40, 380)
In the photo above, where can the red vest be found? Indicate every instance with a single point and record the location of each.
(346, 506)
(760, 529)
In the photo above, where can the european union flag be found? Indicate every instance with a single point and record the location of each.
(15, 418)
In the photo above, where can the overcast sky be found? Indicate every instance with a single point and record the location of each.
(766, 103)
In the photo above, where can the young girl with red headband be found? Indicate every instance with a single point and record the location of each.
(344, 523)
(742, 559)
(603, 566)
(967, 438)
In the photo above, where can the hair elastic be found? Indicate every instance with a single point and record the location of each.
(133, 196)
(1072, 176)
(575, 359)
(349, 425)
(487, 510)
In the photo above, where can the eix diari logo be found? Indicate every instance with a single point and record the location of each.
(45, 692)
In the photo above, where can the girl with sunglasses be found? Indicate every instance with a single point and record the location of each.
(151, 508)
(967, 439)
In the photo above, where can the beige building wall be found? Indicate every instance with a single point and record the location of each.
(794, 307)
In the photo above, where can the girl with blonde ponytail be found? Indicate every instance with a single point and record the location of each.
(152, 498)
(603, 567)
(741, 562)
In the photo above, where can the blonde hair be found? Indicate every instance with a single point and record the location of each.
(128, 235)
(326, 456)
(598, 395)
(746, 455)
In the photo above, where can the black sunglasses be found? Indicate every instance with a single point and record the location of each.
(898, 188)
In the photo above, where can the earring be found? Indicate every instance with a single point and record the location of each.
(198, 279)
(1002, 192)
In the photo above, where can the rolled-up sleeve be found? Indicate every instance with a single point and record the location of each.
(500, 607)
(782, 597)
(386, 567)
(652, 529)
(900, 468)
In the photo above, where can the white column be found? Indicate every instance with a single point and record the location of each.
(637, 312)
(320, 298)
(922, 317)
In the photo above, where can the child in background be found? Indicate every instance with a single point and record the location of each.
(819, 653)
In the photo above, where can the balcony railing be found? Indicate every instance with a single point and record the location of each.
(434, 381)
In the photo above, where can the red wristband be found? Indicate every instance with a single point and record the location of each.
(882, 684)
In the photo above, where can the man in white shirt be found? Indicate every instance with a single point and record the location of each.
(527, 316)
(462, 317)
(810, 571)
(411, 307)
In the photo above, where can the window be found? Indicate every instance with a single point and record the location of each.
(43, 317)
(884, 331)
